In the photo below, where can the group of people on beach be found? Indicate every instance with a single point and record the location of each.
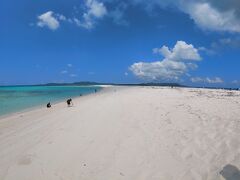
(69, 101)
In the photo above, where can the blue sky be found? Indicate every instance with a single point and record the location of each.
(194, 42)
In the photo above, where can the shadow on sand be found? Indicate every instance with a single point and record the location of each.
(230, 172)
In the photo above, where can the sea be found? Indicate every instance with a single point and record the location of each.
(19, 98)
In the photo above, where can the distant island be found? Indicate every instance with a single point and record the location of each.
(89, 83)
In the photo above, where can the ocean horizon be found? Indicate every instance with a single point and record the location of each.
(19, 98)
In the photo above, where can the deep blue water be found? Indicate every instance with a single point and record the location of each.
(18, 98)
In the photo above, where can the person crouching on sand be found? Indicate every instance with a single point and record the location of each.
(49, 105)
(69, 102)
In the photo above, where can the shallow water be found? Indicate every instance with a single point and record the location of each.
(18, 98)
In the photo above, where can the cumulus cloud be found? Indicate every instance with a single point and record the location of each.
(181, 51)
(159, 70)
(176, 63)
(94, 10)
(215, 80)
(225, 5)
(209, 18)
(48, 20)
(213, 15)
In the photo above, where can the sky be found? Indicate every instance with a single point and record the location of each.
(192, 42)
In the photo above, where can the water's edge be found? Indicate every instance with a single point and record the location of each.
(43, 105)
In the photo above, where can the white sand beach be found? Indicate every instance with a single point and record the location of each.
(126, 133)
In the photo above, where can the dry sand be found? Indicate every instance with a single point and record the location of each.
(131, 133)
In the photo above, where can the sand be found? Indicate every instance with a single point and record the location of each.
(126, 133)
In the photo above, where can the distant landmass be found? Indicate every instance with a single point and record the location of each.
(82, 83)
(88, 83)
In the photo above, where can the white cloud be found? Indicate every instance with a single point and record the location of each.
(48, 20)
(181, 51)
(69, 65)
(197, 79)
(215, 80)
(159, 70)
(209, 18)
(61, 17)
(176, 63)
(95, 10)
(213, 15)
(77, 22)
(64, 72)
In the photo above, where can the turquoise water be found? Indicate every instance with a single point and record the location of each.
(18, 98)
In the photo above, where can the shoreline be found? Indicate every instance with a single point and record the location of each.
(104, 88)
(41, 106)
